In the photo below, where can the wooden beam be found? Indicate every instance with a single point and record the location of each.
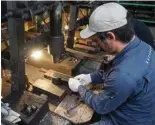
(51, 73)
(66, 66)
(51, 107)
(48, 87)
(84, 47)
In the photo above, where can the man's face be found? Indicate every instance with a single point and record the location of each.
(108, 45)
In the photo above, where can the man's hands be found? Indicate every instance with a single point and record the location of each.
(74, 84)
(83, 79)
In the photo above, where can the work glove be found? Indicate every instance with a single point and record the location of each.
(74, 84)
(84, 78)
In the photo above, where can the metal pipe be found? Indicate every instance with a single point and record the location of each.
(147, 21)
(137, 4)
(55, 20)
(56, 43)
(72, 26)
(16, 34)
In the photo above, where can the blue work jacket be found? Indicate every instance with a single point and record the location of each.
(128, 97)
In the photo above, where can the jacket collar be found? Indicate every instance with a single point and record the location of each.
(132, 44)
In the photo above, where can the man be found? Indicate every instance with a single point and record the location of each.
(128, 97)
(141, 29)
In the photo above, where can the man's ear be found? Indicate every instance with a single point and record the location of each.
(110, 36)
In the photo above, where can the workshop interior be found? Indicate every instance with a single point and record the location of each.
(41, 49)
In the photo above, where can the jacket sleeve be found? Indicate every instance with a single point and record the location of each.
(97, 77)
(118, 87)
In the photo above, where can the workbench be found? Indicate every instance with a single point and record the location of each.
(40, 82)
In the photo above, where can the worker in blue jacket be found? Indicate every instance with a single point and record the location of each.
(128, 96)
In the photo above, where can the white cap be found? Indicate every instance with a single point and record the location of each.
(105, 18)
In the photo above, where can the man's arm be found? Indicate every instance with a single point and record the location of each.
(118, 87)
(94, 78)
(97, 77)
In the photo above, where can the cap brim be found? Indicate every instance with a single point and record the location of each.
(86, 33)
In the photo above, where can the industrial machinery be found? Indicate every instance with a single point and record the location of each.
(41, 49)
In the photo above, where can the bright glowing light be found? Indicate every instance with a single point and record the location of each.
(66, 27)
(75, 38)
(36, 54)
